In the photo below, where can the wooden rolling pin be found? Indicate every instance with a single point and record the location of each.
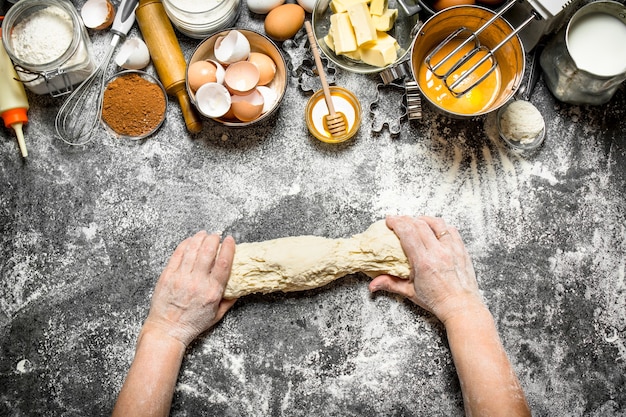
(167, 56)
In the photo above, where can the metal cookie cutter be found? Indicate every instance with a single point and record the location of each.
(384, 110)
(402, 71)
(302, 65)
(413, 100)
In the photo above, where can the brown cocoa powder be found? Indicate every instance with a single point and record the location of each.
(133, 105)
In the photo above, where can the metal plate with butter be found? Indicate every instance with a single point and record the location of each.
(401, 31)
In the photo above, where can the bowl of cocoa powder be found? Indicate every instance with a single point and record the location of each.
(134, 104)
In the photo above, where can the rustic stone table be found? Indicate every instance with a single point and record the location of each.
(86, 231)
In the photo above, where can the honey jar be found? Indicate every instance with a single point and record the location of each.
(345, 102)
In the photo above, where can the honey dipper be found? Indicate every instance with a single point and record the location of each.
(335, 122)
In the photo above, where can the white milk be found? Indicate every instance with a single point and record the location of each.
(597, 44)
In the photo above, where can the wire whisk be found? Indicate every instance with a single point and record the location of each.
(79, 115)
(454, 74)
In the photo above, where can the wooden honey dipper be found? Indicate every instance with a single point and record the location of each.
(335, 122)
(167, 56)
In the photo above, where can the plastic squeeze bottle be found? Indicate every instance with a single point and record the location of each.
(13, 100)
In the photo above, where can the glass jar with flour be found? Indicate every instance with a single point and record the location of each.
(48, 45)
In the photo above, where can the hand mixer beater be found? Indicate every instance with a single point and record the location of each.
(80, 113)
(478, 61)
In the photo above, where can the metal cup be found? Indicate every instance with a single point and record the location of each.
(567, 79)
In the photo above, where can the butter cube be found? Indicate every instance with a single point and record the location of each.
(355, 55)
(328, 40)
(336, 6)
(342, 33)
(378, 7)
(362, 24)
(341, 6)
(381, 53)
(386, 20)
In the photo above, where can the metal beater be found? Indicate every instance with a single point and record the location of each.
(80, 113)
(542, 9)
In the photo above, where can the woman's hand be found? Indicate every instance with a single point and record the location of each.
(187, 299)
(442, 278)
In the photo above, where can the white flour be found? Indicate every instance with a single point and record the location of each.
(31, 38)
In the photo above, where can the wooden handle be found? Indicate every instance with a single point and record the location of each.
(166, 56)
(320, 68)
(192, 119)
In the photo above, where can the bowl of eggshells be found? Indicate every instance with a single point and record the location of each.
(236, 77)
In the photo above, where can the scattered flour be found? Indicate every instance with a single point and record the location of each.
(24, 366)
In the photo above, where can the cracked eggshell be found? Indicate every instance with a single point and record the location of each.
(213, 100)
(263, 6)
(97, 14)
(249, 107)
(241, 77)
(269, 97)
(204, 71)
(133, 54)
(232, 48)
(219, 74)
(307, 5)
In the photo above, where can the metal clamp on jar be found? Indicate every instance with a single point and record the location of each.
(44, 63)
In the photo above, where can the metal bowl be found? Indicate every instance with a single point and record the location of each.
(518, 144)
(402, 31)
(258, 43)
(133, 99)
(510, 57)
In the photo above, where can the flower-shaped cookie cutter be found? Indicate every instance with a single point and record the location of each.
(302, 64)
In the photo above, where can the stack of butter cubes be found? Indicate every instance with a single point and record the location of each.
(358, 30)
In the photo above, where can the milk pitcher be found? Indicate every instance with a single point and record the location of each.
(585, 62)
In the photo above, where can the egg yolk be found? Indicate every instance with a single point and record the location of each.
(437, 90)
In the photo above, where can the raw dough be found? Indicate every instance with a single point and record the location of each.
(304, 262)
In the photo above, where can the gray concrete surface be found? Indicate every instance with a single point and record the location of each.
(85, 232)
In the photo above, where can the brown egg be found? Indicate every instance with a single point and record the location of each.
(200, 73)
(284, 21)
(266, 66)
(445, 4)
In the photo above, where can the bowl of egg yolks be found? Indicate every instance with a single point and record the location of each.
(497, 87)
(236, 77)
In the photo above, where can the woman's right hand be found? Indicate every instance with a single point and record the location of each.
(442, 278)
